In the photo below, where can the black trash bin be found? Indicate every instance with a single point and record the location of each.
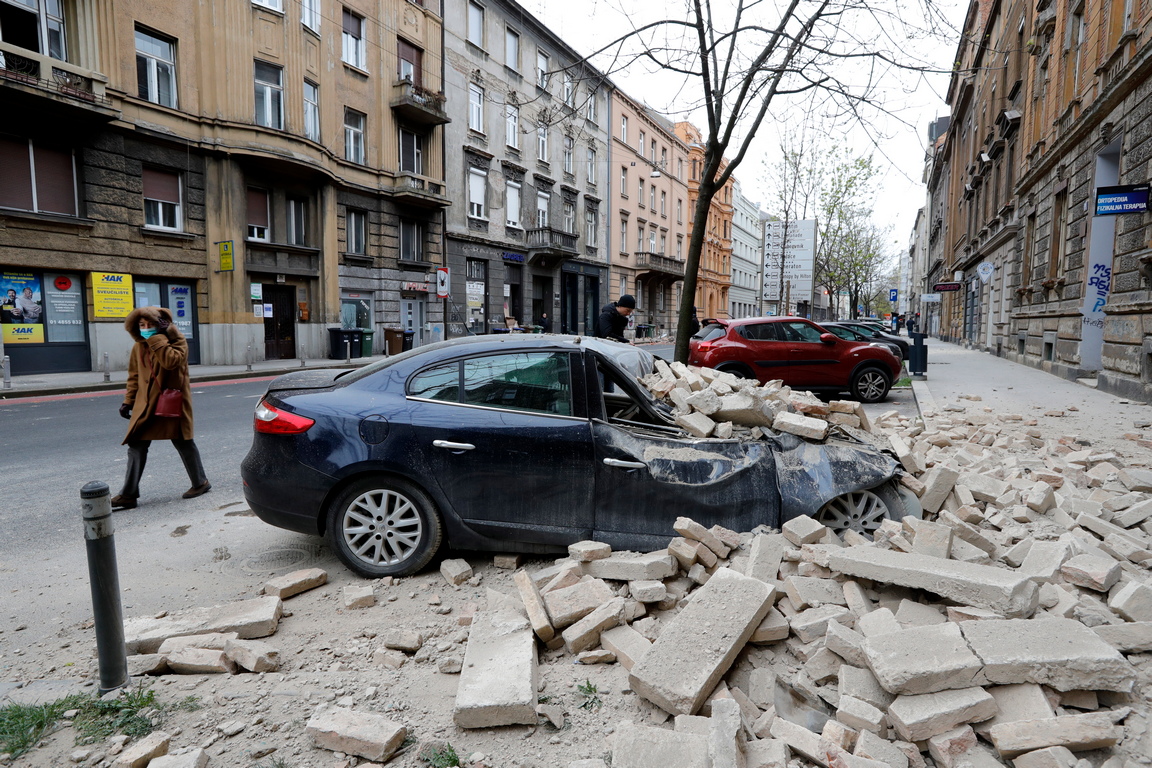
(917, 355)
(408, 338)
(339, 340)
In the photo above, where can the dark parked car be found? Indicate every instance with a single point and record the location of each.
(798, 351)
(851, 333)
(512, 443)
(869, 330)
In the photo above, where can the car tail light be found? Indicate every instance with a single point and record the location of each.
(703, 346)
(273, 421)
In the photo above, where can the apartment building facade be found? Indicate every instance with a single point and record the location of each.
(747, 256)
(267, 169)
(649, 208)
(529, 151)
(714, 277)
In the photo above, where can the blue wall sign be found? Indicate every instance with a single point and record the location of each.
(1130, 198)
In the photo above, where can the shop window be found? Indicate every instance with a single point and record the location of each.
(258, 215)
(162, 209)
(51, 189)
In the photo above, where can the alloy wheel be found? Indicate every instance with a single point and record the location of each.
(860, 511)
(382, 527)
(871, 386)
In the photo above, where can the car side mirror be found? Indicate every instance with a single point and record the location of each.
(828, 338)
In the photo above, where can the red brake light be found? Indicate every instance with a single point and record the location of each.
(703, 346)
(273, 421)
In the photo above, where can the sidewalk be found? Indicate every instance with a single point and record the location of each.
(38, 385)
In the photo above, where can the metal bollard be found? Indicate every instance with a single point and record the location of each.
(348, 350)
(249, 357)
(6, 364)
(105, 581)
(107, 373)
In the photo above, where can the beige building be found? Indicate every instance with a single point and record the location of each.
(650, 208)
(268, 169)
(714, 277)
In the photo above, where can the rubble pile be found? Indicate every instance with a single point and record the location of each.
(711, 403)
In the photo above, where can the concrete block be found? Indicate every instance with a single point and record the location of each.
(727, 536)
(766, 753)
(455, 571)
(698, 646)
(846, 643)
(874, 747)
(628, 645)
(803, 530)
(253, 655)
(744, 409)
(1132, 637)
(507, 562)
(1133, 601)
(1136, 479)
(811, 624)
(923, 660)
(859, 714)
(1133, 515)
(364, 734)
(922, 716)
(696, 424)
(193, 758)
(598, 656)
(406, 640)
(690, 529)
(587, 551)
(631, 566)
(534, 606)
(640, 746)
(823, 665)
(684, 551)
(1060, 653)
(498, 680)
(1044, 560)
(950, 747)
(570, 604)
(705, 401)
(911, 614)
(805, 592)
(878, 622)
(249, 619)
(983, 487)
(1075, 732)
(647, 591)
(199, 661)
(140, 753)
(977, 585)
(1041, 498)
(358, 596)
(215, 641)
(765, 556)
(1049, 757)
(704, 555)
(296, 582)
(699, 574)
(725, 737)
(1025, 701)
(968, 532)
(1091, 572)
(774, 627)
(862, 684)
(802, 426)
(800, 740)
(585, 633)
(931, 539)
(938, 483)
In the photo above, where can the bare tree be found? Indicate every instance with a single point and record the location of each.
(751, 59)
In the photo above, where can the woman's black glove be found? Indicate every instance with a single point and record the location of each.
(162, 325)
(125, 410)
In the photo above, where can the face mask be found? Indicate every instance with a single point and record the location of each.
(147, 332)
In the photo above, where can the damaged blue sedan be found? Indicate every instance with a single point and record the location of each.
(529, 443)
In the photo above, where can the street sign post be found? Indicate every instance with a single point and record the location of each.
(892, 294)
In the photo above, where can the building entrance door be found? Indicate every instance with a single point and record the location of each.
(280, 328)
(412, 319)
(570, 303)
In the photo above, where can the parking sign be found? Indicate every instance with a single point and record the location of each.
(892, 293)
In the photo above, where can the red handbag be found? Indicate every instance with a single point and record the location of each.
(170, 404)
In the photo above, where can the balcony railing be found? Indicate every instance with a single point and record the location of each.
(655, 262)
(548, 247)
(419, 104)
(20, 65)
(419, 190)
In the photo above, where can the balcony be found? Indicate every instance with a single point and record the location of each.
(655, 267)
(547, 247)
(418, 105)
(419, 191)
(37, 75)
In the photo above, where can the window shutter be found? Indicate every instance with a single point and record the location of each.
(162, 186)
(55, 181)
(15, 174)
(257, 207)
(352, 24)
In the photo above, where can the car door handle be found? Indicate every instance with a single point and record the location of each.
(625, 464)
(453, 446)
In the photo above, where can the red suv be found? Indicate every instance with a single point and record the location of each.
(798, 351)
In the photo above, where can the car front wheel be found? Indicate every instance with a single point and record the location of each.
(871, 385)
(384, 527)
(863, 511)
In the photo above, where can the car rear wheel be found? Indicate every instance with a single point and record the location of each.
(863, 511)
(871, 385)
(384, 527)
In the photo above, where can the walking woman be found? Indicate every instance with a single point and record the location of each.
(158, 365)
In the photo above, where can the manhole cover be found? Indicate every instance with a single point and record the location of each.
(277, 560)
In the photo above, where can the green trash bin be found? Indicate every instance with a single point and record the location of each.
(366, 342)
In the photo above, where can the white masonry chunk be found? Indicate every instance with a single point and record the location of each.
(690, 529)
(296, 582)
(1076, 732)
(1091, 572)
(803, 530)
(923, 659)
(193, 758)
(585, 633)
(631, 566)
(253, 655)
(1025, 701)
(249, 619)
(628, 645)
(920, 717)
(641, 746)
(365, 734)
(498, 680)
(587, 551)
(696, 424)
(1133, 601)
(534, 606)
(859, 714)
(1049, 757)
(358, 596)
(938, 483)
(802, 426)
(139, 754)
(455, 571)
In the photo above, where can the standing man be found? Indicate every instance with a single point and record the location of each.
(614, 318)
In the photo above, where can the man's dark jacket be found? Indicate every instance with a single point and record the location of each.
(611, 324)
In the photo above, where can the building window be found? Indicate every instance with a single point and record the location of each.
(663, 201)
(623, 285)
(664, 159)
(624, 181)
(543, 200)
(512, 125)
(640, 193)
(354, 52)
(275, 5)
(354, 135)
(570, 218)
(311, 111)
(512, 204)
(297, 216)
(543, 69)
(476, 108)
(591, 228)
(641, 143)
(476, 24)
(652, 197)
(36, 177)
(477, 187)
(653, 150)
(569, 147)
(156, 69)
(679, 211)
(591, 107)
(1059, 234)
(651, 241)
(258, 215)
(269, 96)
(411, 240)
(310, 14)
(623, 235)
(569, 92)
(356, 238)
(679, 168)
(591, 165)
(624, 128)
(639, 237)
(411, 152)
(511, 48)
(663, 244)
(162, 200)
(409, 59)
(542, 142)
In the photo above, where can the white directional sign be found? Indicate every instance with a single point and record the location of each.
(790, 257)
